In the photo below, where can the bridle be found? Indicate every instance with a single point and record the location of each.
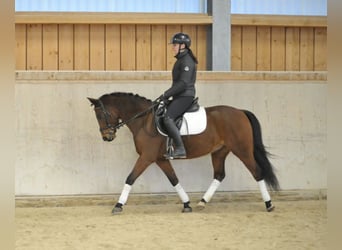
(106, 117)
(122, 123)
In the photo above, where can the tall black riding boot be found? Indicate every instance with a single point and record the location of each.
(173, 132)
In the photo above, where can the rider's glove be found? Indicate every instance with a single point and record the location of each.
(162, 98)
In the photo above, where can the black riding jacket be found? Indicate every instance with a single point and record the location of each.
(183, 76)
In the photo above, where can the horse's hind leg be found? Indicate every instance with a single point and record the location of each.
(218, 159)
(255, 170)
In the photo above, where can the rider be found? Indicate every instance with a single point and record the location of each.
(182, 90)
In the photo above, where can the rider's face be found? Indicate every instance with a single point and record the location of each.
(176, 47)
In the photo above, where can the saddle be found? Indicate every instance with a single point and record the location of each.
(193, 121)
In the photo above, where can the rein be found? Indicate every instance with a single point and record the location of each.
(122, 123)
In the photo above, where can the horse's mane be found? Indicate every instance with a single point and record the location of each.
(124, 94)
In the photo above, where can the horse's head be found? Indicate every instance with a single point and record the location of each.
(107, 119)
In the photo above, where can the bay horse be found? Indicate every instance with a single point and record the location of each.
(228, 130)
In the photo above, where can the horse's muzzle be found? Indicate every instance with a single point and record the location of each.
(108, 134)
(108, 137)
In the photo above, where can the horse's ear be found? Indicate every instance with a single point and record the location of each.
(93, 101)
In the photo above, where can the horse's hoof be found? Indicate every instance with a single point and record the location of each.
(269, 206)
(187, 210)
(270, 209)
(116, 210)
(201, 205)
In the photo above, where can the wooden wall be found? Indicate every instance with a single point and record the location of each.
(138, 42)
(104, 41)
(101, 46)
(279, 44)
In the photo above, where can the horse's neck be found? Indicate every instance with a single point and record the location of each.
(129, 112)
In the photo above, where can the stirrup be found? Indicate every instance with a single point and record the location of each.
(171, 155)
(168, 156)
(179, 157)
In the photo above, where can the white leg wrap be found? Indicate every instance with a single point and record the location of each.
(264, 193)
(211, 190)
(124, 194)
(183, 196)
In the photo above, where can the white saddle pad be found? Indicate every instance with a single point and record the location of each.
(194, 122)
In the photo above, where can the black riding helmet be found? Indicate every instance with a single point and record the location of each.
(181, 38)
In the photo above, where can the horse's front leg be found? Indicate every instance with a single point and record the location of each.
(139, 167)
(168, 170)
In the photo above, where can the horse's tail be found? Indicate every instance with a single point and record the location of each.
(260, 153)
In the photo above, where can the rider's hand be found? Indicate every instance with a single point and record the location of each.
(162, 98)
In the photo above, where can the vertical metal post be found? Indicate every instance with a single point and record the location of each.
(218, 36)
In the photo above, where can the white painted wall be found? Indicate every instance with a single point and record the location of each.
(60, 150)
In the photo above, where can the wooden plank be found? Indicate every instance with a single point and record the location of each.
(66, 47)
(128, 48)
(278, 20)
(113, 53)
(34, 47)
(158, 47)
(263, 60)
(306, 49)
(292, 49)
(50, 47)
(248, 48)
(112, 18)
(97, 46)
(81, 47)
(278, 49)
(166, 18)
(202, 47)
(20, 51)
(170, 31)
(236, 47)
(191, 30)
(320, 50)
(275, 77)
(143, 44)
